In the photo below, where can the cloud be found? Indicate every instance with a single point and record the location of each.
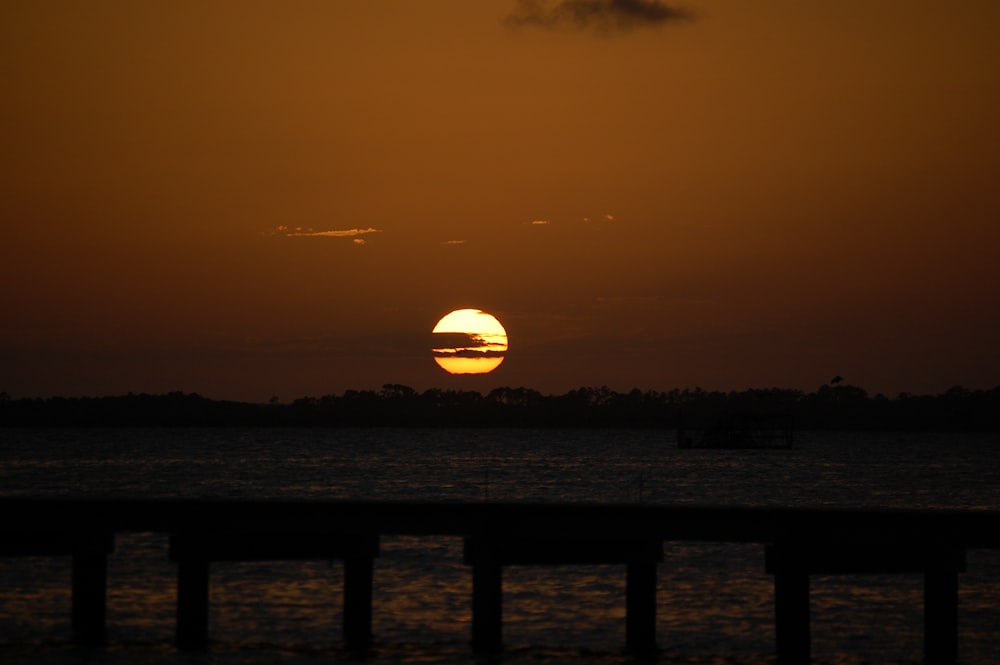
(453, 242)
(466, 345)
(470, 353)
(301, 232)
(605, 15)
(342, 233)
(540, 222)
(606, 217)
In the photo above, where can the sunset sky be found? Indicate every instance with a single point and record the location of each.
(245, 198)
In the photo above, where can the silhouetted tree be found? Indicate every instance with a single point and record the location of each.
(830, 407)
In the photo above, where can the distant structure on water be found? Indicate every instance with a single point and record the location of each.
(738, 431)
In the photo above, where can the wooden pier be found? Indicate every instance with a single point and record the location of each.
(798, 542)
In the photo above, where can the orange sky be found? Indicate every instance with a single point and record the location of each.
(751, 195)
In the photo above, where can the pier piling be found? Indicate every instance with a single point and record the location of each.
(487, 606)
(791, 617)
(89, 580)
(640, 607)
(358, 580)
(89, 598)
(192, 602)
(88, 550)
(791, 563)
(941, 616)
(487, 556)
(194, 550)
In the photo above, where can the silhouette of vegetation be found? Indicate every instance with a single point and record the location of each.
(831, 407)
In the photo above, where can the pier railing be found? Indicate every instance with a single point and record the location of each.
(799, 543)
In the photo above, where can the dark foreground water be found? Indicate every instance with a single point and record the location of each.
(715, 601)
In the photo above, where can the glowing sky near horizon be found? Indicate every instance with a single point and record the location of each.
(247, 199)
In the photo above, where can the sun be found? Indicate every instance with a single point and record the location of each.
(469, 341)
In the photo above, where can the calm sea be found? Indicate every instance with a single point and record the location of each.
(715, 600)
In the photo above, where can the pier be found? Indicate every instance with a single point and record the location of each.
(798, 543)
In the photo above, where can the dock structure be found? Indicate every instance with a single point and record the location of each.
(489, 554)
(195, 550)
(792, 563)
(798, 543)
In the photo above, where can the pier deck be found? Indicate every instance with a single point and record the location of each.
(799, 542)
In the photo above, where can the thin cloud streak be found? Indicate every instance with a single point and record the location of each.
(302, 232)
(343, 233)
(605, 15)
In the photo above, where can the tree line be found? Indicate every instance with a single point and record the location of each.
(831, 407)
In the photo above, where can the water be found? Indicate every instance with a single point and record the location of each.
(715, 603)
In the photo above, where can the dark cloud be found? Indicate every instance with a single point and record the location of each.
(472, 353)
(465, 345)
(454, 340)
(607, 15)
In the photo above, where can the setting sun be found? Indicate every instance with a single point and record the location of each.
(471, 342)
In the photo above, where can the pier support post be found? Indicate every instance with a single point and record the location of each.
(487, 606)
(791, 616)
(90, 580)
(940, 617)
(358, 573)
(89, 597)
(488, 555)
(88, 546)
(194, 550)
(192, 602)
(940, 565)
(640, 608)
